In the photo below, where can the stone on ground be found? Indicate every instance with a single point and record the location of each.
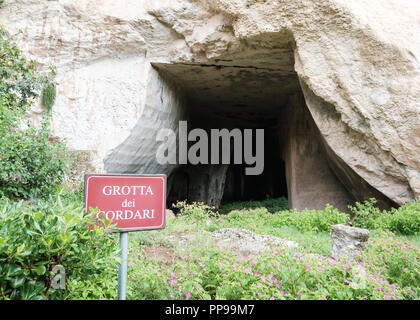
(346, 240)
(247, 242)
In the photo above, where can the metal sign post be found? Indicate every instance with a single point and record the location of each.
(122, 273)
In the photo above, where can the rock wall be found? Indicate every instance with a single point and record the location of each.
(310, 181)
(358, 64)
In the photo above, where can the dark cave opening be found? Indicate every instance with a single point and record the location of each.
(270, 184)
(261, 94)
(197, 183)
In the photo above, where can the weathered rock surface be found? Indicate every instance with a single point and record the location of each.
(356, 62)
(169, 214)
(247, 242)
(346, 240)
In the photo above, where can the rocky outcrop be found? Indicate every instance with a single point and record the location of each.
(347, 240)
(235, 62)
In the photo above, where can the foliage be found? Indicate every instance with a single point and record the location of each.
(271, 204)
(30, 164)
(279, 273)
(306, 220)
(313, 220)
(387, 269)
(20, 80)
(33, 239)
(395, 259)
(48, 96)
(194, 210)
(404, 220)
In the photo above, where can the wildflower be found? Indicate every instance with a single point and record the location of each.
(188, 295)
(262, 278)
(129, 264)
(272, 298)
(258, 285)
(323, 298)
(404, 270)
(308, 267)
(173, 282)
(259, 294)
(246, 271)
(172, 274)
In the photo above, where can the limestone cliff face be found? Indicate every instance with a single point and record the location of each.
(356, 62)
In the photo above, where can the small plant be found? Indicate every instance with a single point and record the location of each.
(396, 260)
(31, 163)
(404, 220)
(365, 214)
(195, 210)
(35, 239)
(271, 204)
(312, 220)
(48, 96)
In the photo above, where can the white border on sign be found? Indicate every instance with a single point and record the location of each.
(127, 176)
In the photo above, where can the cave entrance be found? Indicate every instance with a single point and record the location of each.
(231, 94)
(255, 90)
(270, 184)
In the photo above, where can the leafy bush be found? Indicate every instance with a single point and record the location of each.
(35, 239)
(30, 164)
(312, 220)
(194, 210)
(48, 96)
(365, 214)
(404, 220)
(146, 282)
(272, 205)
(279, 273)
(396, 260)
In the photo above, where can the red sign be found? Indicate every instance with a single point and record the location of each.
(132, 202)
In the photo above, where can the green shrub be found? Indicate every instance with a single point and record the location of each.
(194, 210)
(404, 220)
(279, 274)
(312, 220)
(365, 214)
(35, 239)
(30, 164)
(272, 205)
(146, 282)
(48, 96)
(395, 259)
(19, 78)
